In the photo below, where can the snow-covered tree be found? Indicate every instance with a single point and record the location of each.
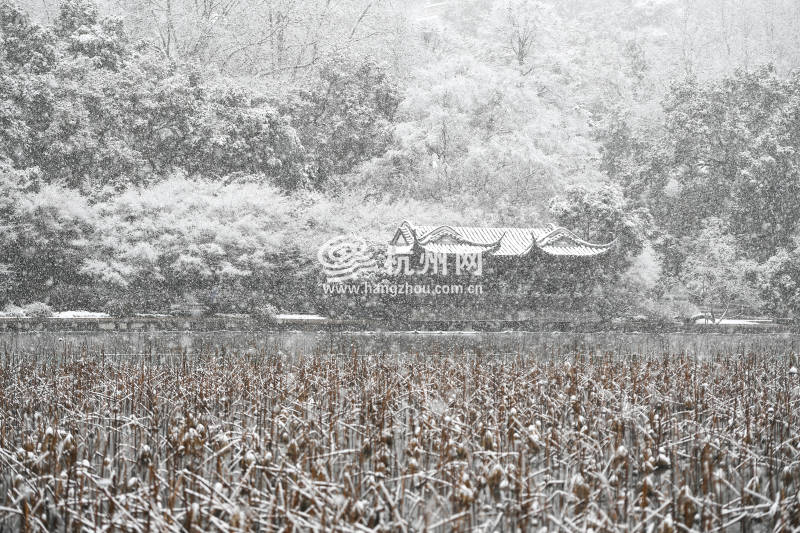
(717, 276)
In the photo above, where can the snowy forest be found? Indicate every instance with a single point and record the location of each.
(157, 150)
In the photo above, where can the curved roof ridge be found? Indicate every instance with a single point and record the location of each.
(503, 241)
(560, 231)
(406, 229)
(407, 225)
(451, 231)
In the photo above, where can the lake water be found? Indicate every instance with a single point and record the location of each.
(361, 343)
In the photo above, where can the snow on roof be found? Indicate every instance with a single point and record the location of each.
(500, 241)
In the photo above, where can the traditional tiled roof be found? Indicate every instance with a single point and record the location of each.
(550, 239)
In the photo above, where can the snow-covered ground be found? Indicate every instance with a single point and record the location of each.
(310, 318)
(80, 314)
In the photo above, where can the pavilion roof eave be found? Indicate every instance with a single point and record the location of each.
(509, 242)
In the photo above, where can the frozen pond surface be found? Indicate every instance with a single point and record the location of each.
(368, 342)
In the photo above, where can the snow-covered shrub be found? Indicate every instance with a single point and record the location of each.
(13, 311)
(38, 310)
(265, 313)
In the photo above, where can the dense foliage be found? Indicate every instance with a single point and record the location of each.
(278, 126)
(87, 107)
(720, 176)
(130, 181)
